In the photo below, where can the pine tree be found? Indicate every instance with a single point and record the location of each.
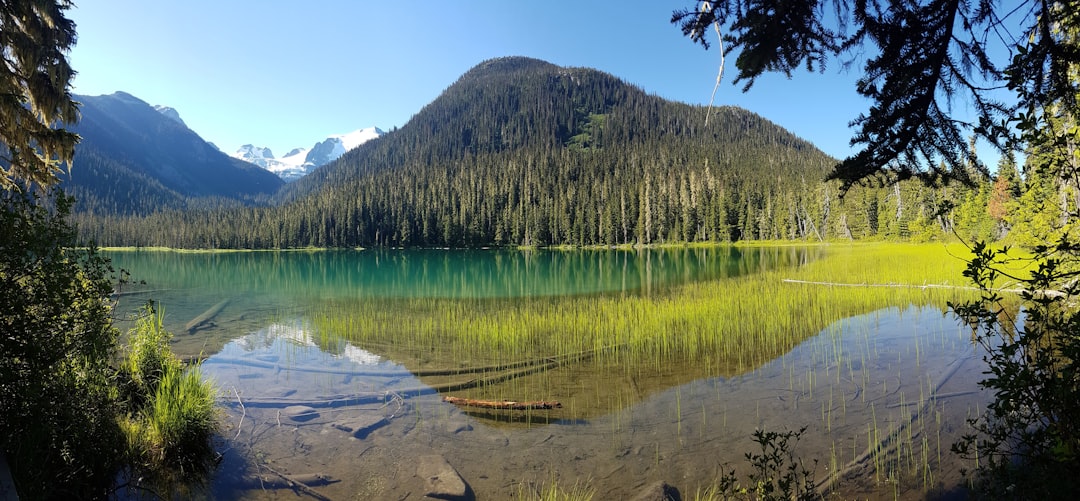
(35, 91)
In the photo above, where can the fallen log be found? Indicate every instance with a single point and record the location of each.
(260, 364)
(317, 402)
(294, 481)
(278, 482)
(133, 293)
(207, 317)
(1047, 292)
(503, 404)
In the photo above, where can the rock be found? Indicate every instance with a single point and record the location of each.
(361, 425)
(7, 484)
(659, 491)
(457, 427)
(442, 481)
(300, 413)
(278, 392)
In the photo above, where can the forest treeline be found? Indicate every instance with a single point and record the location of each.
(523, 152)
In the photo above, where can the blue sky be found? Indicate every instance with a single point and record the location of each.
(285, 74)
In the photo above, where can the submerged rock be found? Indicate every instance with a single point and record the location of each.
(300, 413)
(659, 491)
(442, 481)
(361, 425)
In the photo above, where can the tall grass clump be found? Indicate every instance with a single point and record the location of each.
(552, 491)
(172, 420)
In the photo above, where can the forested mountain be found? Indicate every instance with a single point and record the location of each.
(135, 159)
(523, 152)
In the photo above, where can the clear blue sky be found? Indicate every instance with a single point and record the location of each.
(284, 74)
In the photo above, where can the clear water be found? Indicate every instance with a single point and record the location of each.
(902, 377)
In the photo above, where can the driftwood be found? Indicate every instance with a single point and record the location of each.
(318, 402)
(894, 286)
(259, 364)
(1036, 293)
(206, 318)
(503, 404)
(276, 481)
(135, 293)
(294, 481)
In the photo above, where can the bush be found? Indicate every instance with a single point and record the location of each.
(778, 475)
(56, 341)
(1027, 444)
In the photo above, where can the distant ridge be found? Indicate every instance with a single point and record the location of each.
(136, 158)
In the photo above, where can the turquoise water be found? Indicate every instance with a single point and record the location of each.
(905, 373)
(446, 273)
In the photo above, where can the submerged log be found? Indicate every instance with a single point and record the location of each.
(503, 404)
(316, 402)
(302, 482)
(207, 317)
(277, 481)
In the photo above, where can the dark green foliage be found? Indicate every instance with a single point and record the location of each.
(921, 57)
(778, 475)
(1028, 442)
(57, 342)
(63, 402)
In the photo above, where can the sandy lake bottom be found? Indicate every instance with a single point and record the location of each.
(882, 397)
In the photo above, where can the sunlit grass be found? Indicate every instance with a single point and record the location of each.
(728, 325)
(552, 491)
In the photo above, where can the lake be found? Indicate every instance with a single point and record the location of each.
(333, 366)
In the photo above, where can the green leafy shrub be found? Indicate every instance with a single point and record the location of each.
(1027, 443)
(56, 341)
(778, 475)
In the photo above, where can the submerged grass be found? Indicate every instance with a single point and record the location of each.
(724, 326)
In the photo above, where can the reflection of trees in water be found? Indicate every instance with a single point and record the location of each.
(446, 273)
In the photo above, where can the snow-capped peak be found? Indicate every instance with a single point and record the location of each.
(257, 155)
(358, 137)
(300, 161)
(170, 112)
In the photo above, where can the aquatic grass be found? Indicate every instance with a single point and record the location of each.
(552, 491)
(727, 326)
(172, 417)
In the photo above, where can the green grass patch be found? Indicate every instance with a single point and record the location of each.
(726, 326)
(172, 419)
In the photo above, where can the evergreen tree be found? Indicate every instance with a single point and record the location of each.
(35, 91)
(926, 54)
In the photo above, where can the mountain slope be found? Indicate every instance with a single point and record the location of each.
(515, 103)
(127, 142)
(523, 152)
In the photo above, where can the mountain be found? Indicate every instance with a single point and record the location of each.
(171, 113)
(334, 147)
(520, 151)
(136, 158)
(301, 161)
